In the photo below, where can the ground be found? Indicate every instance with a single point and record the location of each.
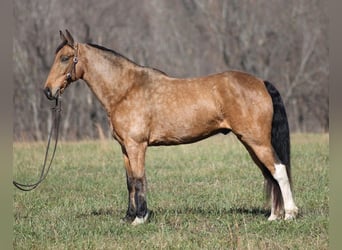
(207, 195)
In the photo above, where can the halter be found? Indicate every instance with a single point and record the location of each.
(71, 75)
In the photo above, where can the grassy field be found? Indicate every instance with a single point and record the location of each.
(207, 195)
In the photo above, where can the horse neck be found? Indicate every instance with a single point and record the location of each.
(106, 75)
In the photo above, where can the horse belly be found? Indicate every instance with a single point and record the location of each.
(185, 125)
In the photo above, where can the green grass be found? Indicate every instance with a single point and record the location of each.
(207, 195)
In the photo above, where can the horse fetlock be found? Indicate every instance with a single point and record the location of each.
(141, 220)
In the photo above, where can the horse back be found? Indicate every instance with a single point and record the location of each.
(183, 110)
(167, 111)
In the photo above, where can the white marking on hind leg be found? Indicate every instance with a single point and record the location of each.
(280, 175)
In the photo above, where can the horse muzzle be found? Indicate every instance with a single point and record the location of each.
(49, 94)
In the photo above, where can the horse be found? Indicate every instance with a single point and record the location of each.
(146, 107)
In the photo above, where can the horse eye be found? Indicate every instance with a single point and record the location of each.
(65, 58)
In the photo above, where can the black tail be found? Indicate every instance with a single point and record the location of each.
(280, 139)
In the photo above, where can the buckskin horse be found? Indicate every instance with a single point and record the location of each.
(146, 107)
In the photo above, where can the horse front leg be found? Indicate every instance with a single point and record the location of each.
(134, 156)
(131, 210)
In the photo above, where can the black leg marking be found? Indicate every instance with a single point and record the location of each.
(140, 197)
(131, 210)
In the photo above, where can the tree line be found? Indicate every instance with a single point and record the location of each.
(284, 42)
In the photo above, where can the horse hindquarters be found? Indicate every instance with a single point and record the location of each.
(280, 140)
(266, 137)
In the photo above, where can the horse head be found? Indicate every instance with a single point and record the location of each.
(64, 69)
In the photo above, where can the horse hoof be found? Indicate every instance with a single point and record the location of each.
(138, 221)
(291, 214)
(127, 219)
(273, 217)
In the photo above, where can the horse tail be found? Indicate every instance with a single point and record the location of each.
(280, 140)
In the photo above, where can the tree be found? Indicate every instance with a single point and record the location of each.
(283, 42)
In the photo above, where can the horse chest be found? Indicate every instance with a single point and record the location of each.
(131, 125)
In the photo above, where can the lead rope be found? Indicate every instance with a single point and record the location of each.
(57, 114)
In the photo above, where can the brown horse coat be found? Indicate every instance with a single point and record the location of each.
(146, 107)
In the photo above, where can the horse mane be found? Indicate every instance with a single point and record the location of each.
(111, 51)
(122, 56)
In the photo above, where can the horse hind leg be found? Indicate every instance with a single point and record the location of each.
(277, 182)
(272, 189)
(281, 176)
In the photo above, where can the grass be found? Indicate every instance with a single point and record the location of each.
(204, 196)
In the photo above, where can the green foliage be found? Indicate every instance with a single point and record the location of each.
(207, 195)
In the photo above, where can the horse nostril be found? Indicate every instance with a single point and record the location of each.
(48, 94)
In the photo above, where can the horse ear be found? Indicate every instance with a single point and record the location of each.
(61, 35)
(69, 38)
